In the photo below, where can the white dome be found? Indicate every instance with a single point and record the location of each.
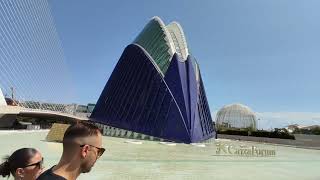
(236, 116)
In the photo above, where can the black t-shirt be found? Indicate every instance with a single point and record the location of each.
(49, 175)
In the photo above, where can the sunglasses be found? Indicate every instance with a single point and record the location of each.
(100, 150)
(38, 164)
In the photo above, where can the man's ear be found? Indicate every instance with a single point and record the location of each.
(20, 172)
(84, 151)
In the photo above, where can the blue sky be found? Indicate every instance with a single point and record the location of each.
(262, 53)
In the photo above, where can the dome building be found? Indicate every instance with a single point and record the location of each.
(236, 116)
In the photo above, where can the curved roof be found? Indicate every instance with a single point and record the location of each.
(156, 40)
(178, 39)
(162, 42)
(236, 116)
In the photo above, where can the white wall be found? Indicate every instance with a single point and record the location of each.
(2, 100)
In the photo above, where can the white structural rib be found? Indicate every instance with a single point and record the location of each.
(179, 39)
(2, 100)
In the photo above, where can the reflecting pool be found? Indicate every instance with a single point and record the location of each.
(130, 159)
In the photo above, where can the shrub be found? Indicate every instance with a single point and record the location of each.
(277, 133)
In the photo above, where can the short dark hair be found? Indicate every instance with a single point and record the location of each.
(80, 129)
(19, 159)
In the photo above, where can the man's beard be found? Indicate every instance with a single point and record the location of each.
(86, 169)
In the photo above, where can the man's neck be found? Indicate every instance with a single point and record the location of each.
(67, 169)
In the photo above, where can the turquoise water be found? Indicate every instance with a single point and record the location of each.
(152, 160)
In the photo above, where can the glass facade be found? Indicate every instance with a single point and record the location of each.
(162, 41)
(156, 42)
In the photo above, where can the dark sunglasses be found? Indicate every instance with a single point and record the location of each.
(38, 164)
(100, 150)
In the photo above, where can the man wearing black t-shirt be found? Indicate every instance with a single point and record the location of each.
(50, 175)
(82, 146)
